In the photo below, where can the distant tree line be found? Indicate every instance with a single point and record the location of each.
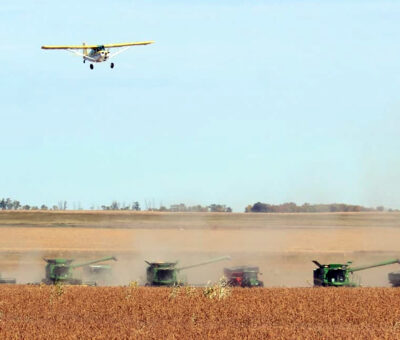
(115, 205)
(197, 208)
(310, 208)
(9, 204)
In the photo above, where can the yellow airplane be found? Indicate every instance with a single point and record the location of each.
(97, 53)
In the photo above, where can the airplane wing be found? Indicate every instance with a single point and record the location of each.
(79, 47)
(120, 51)
(68, 47)
(137, 43)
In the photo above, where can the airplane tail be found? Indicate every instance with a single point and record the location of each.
(85, 52)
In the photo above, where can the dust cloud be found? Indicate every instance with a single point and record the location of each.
(282, 246)
(29, 269)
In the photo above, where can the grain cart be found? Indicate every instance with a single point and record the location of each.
(7, 281)
(338, 275)
(100, 273)
(61, 270)
(243, 276)
(167, 274)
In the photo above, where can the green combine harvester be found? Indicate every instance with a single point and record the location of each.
(166, 273)
(61, 270)
(338, 275)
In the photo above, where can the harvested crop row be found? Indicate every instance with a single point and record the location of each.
(71, 312)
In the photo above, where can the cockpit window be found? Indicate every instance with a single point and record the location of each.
(98, 48)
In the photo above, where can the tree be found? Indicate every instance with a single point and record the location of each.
(9, 204)
(219, 208)
(62, 205)
(44, 207)
(114, 205)
(16, 205)
(261, 207)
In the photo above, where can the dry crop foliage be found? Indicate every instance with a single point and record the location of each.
(72, 312)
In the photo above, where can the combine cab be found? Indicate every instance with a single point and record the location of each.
(61, 271)
(166, 273)
(338, 275)
(243, 276)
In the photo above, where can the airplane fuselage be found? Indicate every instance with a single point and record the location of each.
(97, 55)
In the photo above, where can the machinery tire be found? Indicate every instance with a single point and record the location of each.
(112, 65)
(91, 66)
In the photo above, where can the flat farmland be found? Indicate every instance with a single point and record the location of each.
(282, 245)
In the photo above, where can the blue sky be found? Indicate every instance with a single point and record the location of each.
(236, 102)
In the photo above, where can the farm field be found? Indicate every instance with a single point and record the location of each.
(68, 312)
(282, 245)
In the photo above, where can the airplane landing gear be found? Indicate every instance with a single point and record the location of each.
(112, 65)
(91, 66)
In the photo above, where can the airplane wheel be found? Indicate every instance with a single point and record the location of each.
(112, 65)
(91, 66)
